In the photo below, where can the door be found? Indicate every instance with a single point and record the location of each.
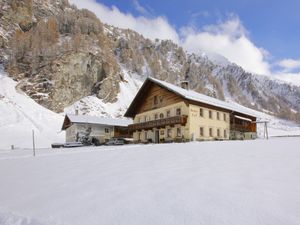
(156, 138)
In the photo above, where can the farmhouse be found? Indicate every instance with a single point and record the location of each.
(164, 112)
(100, 128)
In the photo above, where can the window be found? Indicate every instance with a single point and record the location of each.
(156, 116)
(178, 111)
(161, 116)
(139, 136)
(145, 135)
(218, 132)
(168, 113)
(162, 132)
(145, 118)
(155, 100)
(201, 131)
(169, 132)
(225, 134)
(224, 115)
(201, 112)
(218, 116)
(210, 132)
(106, 130)
(210, 114)
(178, 132)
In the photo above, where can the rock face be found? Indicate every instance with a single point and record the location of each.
(60, 54)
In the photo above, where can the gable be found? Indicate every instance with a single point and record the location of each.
(152, 96)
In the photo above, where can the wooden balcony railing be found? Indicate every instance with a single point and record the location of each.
(243, 127)
(170, 121)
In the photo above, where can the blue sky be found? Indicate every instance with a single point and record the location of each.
(261, 36)
(273, 25)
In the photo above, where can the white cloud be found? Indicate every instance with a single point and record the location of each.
(152, 28)
(138, 7)
(229, 39)
(289, 64)
(293, 78)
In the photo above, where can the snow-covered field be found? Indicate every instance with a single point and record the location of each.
(209, 183)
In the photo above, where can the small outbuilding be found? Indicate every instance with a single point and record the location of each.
(100, 129)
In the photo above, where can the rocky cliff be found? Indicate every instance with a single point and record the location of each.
(60, 54)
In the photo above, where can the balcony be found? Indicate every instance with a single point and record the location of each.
(170, 121)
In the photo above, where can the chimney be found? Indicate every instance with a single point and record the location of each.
(184, 84)
(76, 112)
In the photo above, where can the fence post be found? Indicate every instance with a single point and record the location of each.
(33, 143)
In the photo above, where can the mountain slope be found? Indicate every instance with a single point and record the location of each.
(20, 115)
(61, 55)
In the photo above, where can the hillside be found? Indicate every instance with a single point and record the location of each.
(20, 115)
(61, 55)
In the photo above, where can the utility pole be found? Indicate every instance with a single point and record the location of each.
(266, 129)
(33, 143)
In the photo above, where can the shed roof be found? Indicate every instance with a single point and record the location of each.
(124, 122)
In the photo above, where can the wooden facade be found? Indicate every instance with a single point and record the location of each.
(163, 97)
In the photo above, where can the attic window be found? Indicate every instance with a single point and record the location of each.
(155, 100)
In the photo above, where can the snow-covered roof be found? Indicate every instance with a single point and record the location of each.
(243, 118)
(124, 122)
(201, 98)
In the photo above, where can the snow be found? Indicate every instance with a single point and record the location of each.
(19, 115)
(209, 183)
(94, 106)
(100, 120)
